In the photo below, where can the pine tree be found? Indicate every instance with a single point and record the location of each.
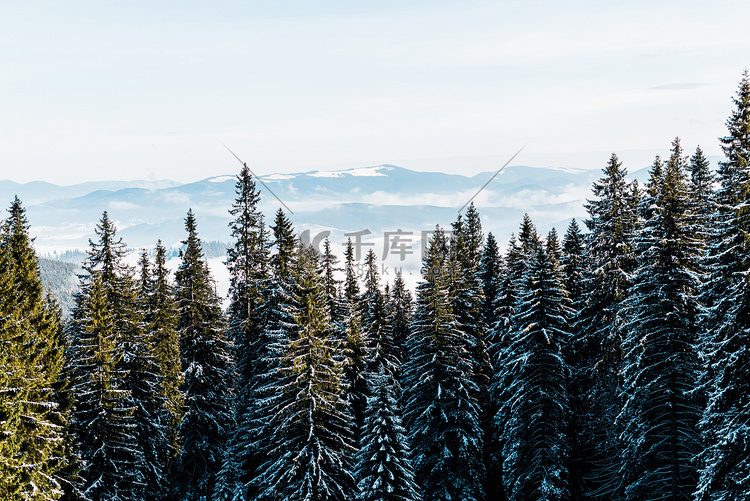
(490, 270)
(32, 438)
(596, 355)
(399, 318)
(282, 262)
(377, 330)
(572, 263)
(383, 469)
(328, 260)
(534, 413)
(701, 194)
(507, 298)
(528, 238)
(311, 440)
(206, 365)
(354, 343)
(442, 411)
(466, 253)
(275, 323)
(161, 322)
(724, 461)
(142, 382)
(517, 259)
(661, 410)
(103, 422)
(247, 262)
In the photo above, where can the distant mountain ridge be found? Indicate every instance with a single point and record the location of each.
(375, 198)
(371, 204)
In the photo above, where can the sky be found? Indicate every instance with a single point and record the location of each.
(112, 90)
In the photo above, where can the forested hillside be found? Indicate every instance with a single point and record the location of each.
(61, 280)
(607, 364)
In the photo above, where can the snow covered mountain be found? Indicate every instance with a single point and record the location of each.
(388, 208)
(381, 198)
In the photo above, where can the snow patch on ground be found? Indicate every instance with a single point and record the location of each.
(278, 177)
(359, 172)
(221, 179)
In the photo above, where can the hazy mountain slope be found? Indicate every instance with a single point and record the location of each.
(61, 280)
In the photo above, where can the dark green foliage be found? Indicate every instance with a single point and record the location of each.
(32, 422)
(532, 388)
(442, 411)
(161, 324)
(517, 260)
(274, 318)
(310, 436)
(328, 261)
(490, 270)
(661, 410)
(399, 318)
(596, 352)
(700, 193)
(206, 365)
(383, 469)
(572, 263)
(469, 299)
(154, 374)
(724, 462)
(142, 380)
(106, 435)
(284, 241)
(354, 344)
(247, 262)
(377, 330)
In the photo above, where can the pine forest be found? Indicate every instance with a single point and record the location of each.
(611, 363)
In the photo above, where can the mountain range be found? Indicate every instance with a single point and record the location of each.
(373, 204)
(381, 198)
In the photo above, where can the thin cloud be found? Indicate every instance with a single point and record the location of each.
(678, 86)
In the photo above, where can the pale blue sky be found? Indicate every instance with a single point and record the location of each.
(142, 89)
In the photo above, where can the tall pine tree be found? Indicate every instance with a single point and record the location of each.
(206, 365)
(660, 413)
(32, 440)
(311, 441)
(442, 410)
(725, 463)
(596, 351)
(534, 414)
(103, 422)
(247, 262)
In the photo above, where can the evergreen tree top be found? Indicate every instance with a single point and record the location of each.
(192, 252)
(553, 245)
(23, 260)
(106, 255)
(467, 240)
(436, 255)
(144, 278)
(248, 197)
(284, 240)
(351, 286)
(247, 258)
(528, 236)
(573, 240)
(735, 172)
(700, 172)
(372, 277)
